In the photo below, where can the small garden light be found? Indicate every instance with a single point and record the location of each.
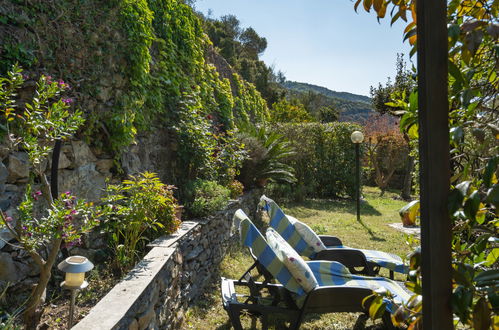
(75, 268)
(357, 137)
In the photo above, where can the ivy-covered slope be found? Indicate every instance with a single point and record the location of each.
(133, 65)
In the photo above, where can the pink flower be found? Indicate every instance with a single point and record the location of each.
(8, 219)
(36, 194)
(67, 101)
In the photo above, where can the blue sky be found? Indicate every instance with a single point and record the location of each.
(322, 42)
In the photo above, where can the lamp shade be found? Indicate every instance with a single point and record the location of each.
(357, 137)
(75, 264)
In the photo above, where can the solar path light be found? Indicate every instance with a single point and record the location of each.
(75, 268)
(357, 138)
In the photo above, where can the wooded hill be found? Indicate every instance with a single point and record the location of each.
(351, 107)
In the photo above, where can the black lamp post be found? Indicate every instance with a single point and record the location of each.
(357, 138)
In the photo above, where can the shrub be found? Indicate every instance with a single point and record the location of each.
(137, 210)
(45, 118)
(206, 197)
(287, 112)
(386, 150)
(265, 150)
(324, 158)
(236, 189)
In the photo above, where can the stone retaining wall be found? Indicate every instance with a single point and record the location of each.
(156, 293)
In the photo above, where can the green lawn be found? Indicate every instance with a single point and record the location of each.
(334, 217)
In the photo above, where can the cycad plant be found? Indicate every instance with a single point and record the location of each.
(266, 151)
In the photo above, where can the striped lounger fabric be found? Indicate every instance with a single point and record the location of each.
(284, 225)
(327, 273)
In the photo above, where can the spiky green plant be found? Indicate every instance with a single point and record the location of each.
(266, 151)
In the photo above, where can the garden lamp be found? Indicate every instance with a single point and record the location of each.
(75, 268)
(357, 138)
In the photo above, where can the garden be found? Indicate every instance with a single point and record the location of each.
(132, 131)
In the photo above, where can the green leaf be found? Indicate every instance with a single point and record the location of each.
(463, 274)
(461, 301)
(377, 308)
(414, 287)
(455, 200)
(490, 170)
(454, 30)
(493, 296)
(472, 204)
(413, 132)
(481, 315)
(493, 196)
(487, 277)
(455, 72)
(492, 257)
(467, 96)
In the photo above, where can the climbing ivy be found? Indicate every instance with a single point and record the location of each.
(139, 65)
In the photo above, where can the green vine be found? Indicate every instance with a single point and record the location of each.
(141, 65)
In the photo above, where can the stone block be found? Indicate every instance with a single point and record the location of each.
(84, 182)
(4, 173)
(134, 325)
(82, 153)
(5, 236)
(145, 319)
(64, 162)
(104, 166)
(8, 271)
(18, 167)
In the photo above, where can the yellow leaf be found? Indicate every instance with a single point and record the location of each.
(367, 5)
(409, 27)
(413, 12)
(413, 39)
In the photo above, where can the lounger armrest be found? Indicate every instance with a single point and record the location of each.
(330, 240)
(326, 299)
(353, 259)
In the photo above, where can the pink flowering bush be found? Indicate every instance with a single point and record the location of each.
(67, 218)
(35, 128)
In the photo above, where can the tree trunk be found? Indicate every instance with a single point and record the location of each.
(32, 315)
(407, 188)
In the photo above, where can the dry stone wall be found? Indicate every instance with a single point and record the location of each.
(156, 293)
(83, 171)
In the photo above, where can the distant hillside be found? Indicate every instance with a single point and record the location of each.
(352, 107)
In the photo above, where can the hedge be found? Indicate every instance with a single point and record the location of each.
(324, 161)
